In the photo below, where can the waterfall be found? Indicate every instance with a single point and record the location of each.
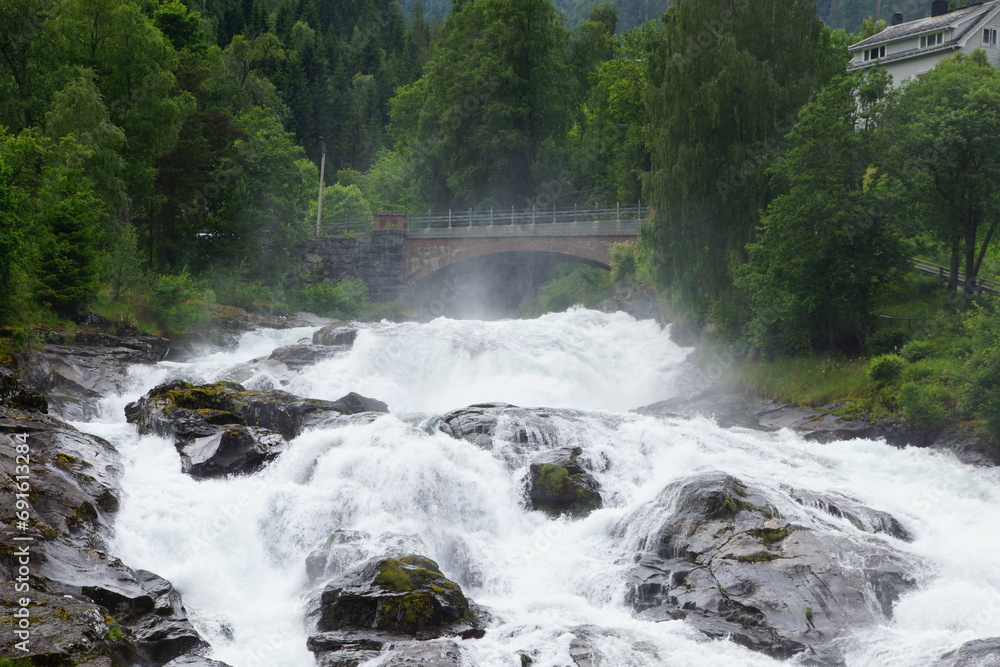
(236, 548)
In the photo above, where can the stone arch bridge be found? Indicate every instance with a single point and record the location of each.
(390, 260)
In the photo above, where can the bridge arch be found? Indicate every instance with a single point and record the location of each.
(425, 256)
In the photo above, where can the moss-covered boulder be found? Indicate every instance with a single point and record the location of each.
(223, 428)
(558, 484)
(389, 602)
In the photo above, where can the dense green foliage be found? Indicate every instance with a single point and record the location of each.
(495, 92)
(159, 155)
(727, 81)
(150, 144)
(826, 253)
(946, 149)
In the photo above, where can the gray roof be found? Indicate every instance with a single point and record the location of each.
(930, 24)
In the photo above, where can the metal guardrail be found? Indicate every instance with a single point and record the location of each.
(930, 269)
(497, 217)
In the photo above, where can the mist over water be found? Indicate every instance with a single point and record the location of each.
(236, 548)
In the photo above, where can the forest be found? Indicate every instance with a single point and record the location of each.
(159, 156)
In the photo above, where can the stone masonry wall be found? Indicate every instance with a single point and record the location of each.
(376, 259)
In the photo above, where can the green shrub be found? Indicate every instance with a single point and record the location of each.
(886, 341)
(980, 373)
(345, 299)
(388, 310)
(251, 295)
(624, 263)
(962, 346)
(916, 350)
(572, 285)
(925, 404)
(16, 662)
(180, 302)
(927, 369)
(885, 369)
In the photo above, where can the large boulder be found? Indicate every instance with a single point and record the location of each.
(539, 442)
(780, 573)
(335, 335)
(231, 450)
(61, 630)
(515, 431)
(298, 356)
(558, 484)
(84, 602)
(224, 428)
(388, 603)
(345, 548)
(75, 371)
(153, 612)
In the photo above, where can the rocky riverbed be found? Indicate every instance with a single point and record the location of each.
(781, 566)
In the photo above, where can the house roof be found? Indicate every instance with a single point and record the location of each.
(930, 24)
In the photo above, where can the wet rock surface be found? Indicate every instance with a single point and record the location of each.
(74, 371)
(345, 548)
(63, 631)
(558, 484)
(195, 661)
(227, 322)
(391, 604)
(299, 356)
(335, 335)
(729, 409)
(977, 653)
(528, 429)
(558, 475)
(85, 606)
(721, 555)
(224, 428)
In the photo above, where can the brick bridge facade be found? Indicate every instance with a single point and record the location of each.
(389, 261)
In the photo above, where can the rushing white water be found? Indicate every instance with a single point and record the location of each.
(236, 548)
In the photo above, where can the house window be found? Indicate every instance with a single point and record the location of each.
(990, 36)
(928, 41)
(874, 53)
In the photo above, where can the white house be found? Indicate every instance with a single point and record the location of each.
(909, 49)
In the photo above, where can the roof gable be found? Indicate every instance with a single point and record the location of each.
(960, 20)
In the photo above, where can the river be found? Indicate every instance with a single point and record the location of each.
(236, 548)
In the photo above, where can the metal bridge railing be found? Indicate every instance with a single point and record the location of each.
(496, 217)
(927, 268)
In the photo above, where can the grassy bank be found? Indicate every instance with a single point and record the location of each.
(942, 369)
(813, 381)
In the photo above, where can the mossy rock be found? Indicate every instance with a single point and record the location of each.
(558, 484)
(407, 595)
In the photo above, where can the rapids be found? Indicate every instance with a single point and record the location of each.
(236, 548)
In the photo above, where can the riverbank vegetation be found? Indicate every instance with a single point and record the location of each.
(159, 157)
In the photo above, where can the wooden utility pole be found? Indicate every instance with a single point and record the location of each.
(322, 177)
